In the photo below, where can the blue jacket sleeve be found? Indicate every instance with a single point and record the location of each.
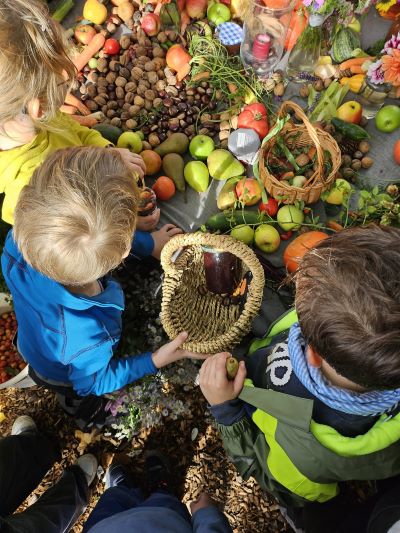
(210, 520)
(115, 375)
(228, 413)
(142, 245)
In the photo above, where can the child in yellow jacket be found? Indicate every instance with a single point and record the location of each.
(35, 75)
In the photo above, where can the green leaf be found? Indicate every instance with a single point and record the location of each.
(365, 194)
(170, 16)
(375, 190)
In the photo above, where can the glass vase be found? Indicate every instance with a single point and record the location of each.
(305, 54)
(372, 97)
(265, 27)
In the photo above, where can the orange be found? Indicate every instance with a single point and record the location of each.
(396, 152)
(152, 161)
(164, 188)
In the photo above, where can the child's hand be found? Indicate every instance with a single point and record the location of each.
(204, 500)
(214, 382)
(149, 222)
(162, 236)
(171, 352)
(133, 161)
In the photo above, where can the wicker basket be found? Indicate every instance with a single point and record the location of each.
(212, 326)
(304, 135)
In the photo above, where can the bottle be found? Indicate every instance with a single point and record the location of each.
(305, 54)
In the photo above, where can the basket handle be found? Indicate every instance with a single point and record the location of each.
(222, 242)
(286, 106)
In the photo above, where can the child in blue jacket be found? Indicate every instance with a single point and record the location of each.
(73, 225)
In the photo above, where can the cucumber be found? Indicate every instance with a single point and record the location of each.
(229, 219)
(111, 133)
(351, 131)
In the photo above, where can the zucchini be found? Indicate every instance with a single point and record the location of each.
(61, 10)
(229, 219)
(109, 132)
(351, 131)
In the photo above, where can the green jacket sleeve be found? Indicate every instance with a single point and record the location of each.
(87, 136)
(246, 447)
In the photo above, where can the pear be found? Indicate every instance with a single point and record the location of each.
(227, 197)
(222, 165)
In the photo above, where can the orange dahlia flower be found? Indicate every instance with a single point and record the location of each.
(391, 68)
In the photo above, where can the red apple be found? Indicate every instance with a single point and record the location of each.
(196, 9)
(248, 191)
(350, 112)
(84, 33)
(112, 47)
(151, 24)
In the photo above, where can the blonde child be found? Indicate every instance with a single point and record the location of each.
(35, 75)
(73, 226)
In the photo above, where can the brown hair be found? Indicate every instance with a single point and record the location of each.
(75, 220)
(34, 60)
(348, 303)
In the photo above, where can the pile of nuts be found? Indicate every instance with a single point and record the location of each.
(137, 91)
(355, 161)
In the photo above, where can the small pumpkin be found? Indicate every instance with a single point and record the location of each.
(296, 250)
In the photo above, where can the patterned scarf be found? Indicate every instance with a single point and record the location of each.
(356, 403)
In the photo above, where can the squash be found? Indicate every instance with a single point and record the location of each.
(344, 42)
(354, 82)
(296, 250)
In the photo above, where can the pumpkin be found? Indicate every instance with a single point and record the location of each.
(296, 250)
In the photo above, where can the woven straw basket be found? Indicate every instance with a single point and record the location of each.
(296, 136)
(212, 326)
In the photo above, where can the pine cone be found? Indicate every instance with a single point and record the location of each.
(348, 146)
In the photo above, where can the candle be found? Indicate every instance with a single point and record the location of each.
(261, 46)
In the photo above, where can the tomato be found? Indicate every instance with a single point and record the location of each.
(286, 236)
(296, 250)
(254, 117)
(111, 47)
(164, 188)
(271, 207)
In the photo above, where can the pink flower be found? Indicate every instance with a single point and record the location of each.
(375, 73)
(392, 44)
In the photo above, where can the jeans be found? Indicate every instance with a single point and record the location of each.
(24, 461)
(121, 498)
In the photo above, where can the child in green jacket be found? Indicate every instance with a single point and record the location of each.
(322, 402)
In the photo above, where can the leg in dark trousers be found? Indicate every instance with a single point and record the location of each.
(57, 510)
(24, 461)
(115, 500)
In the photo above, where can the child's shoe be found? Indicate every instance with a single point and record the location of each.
(88, 464)
(117, 475)
(158, 472)
(23, 424)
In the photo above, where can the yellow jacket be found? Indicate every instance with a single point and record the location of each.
(18, 164)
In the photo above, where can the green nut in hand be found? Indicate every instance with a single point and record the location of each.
(232, 366)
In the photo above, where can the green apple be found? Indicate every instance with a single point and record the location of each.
(218, 13)
(197, 176)
(222, 165)
(201, 146)
(299, 181)
(267, 238)
(338, 194)
(131, 140)
(290, 217)
(243, 233)
(388, 118)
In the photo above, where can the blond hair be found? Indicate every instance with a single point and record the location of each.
(75, 220)
(34, 61)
